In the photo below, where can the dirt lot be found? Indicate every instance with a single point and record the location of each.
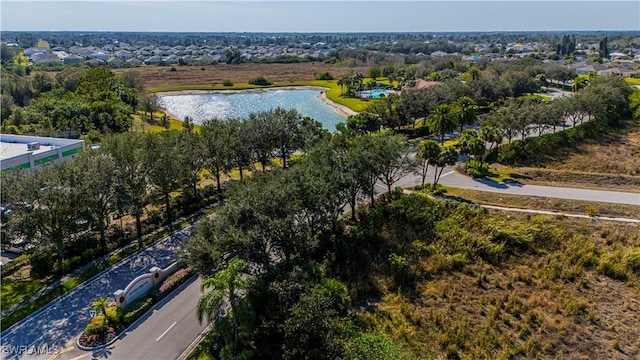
(159, 77)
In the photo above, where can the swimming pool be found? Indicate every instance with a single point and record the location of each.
(373, 94)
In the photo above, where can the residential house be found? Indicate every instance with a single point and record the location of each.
(73, 59)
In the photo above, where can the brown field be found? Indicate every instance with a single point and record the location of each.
(613, 163)
(162, 78)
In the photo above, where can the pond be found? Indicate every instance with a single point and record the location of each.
(201, 107)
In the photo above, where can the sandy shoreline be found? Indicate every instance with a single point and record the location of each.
(340, 109)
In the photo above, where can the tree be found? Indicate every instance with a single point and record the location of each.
(129, 151)
(316, 323)
(579, 83)
(374, 72)
(288, 133)
(471, 144)
(97, 174)
(191, 159)
(41, 82)
(447, 157)
(228, 286)
(132, 79)
(100, 305)
(239, 146)
(164, 164)
(441, 121)
(364, 123)
(263, 135)
(465, 109)
(428, 152)
(604, 47)
(392, 161)
(233, 56)
(45, 206)
(216, 138)
(492, 136)
(149, 103)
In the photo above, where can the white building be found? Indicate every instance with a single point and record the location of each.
(30, 152)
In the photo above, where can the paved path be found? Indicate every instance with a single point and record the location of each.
(64, 318)
(451, 178)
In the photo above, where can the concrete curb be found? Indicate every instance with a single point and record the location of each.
(85, 348)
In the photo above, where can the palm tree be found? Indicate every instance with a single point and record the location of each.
(490, 135)
(441, 120)
(466, 111)
(579, 83)
(227, 286)
(100, 305)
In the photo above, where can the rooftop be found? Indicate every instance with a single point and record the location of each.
(15, 145)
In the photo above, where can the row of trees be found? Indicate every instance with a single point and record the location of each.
(133, 169)
(604, 98)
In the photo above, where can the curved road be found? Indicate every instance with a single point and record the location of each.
(64, 318)
(451, 178)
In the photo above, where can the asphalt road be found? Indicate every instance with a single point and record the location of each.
(165, 333)
(65, 318)
(465, 182)
(451, 178)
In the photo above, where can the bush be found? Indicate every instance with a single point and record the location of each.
(324, 76)
(97, 326)
(260, 80)
(114, 314)
(137, 309)
(175, 280)
(227, 83)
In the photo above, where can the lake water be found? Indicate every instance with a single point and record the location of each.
(202, 107)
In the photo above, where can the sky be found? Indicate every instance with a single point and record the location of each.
(319, 16)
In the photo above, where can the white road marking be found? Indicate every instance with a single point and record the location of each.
(449, 173)
(166, 331)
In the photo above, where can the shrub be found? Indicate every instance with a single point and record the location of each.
(114, 314)
(175, 280)
(324, 76)
(97, 326)
(136, 309)
(227, 83)
(260, 80)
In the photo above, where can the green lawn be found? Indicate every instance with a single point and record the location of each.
(632, 81)
(15, 290)
(333, 94)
